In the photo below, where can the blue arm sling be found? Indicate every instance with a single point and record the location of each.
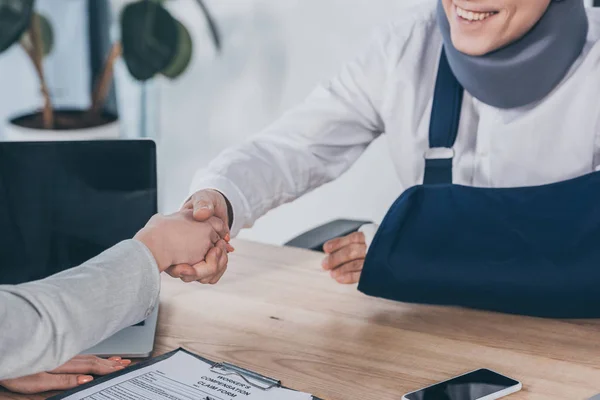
(529, 250)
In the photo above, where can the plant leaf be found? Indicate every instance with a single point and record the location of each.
(150, 36)
(212, 25)
(15, 17)
(183, 55)
(47, 34)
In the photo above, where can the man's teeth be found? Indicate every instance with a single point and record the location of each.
(473, 16)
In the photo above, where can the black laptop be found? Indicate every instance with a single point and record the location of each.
(62, 203)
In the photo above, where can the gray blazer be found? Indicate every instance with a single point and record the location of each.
(45, 323)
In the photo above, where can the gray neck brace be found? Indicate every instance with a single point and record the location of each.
(528, 69)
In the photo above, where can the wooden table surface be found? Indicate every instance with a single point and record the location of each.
(277, 312)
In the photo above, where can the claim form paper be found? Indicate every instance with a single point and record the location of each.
(180, 377)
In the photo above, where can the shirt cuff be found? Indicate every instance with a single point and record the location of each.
(369, 230)
(232, 192)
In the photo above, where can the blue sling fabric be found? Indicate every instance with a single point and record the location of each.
(443, 127)
(529, 250)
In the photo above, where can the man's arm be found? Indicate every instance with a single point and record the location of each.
(308, 147)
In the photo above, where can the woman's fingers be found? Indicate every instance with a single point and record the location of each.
(88, 364)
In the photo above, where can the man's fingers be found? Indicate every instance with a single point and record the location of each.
(216, 279)
(179, 270)
(204, 207)
(207, 269)
(189, 205)
(222, 262)
(349, 279)
(337, 243)
(208, 203)
(223, 259)
(171, 271)
(185, 272)
(205, 204)
(355, 251)
(219, 226)
(201, 214)
(352, 266)
(188, 278)
(214, 235)
(90, 365)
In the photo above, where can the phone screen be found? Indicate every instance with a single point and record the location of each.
(472, 386)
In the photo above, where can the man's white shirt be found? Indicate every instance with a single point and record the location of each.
(388, 89)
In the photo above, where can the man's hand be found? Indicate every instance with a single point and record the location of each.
(72, 374)
(346, 257)
(207, 271)
(179, 239)
(209, 203)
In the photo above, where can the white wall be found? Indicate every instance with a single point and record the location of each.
(275, 52)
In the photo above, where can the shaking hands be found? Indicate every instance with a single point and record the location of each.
(192, 244)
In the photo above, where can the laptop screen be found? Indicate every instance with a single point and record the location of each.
(62, 203)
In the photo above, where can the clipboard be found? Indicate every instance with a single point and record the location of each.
(254, 379)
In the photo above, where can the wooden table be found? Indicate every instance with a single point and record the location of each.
(277, 312)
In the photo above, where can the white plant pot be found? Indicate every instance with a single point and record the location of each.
(16, 133)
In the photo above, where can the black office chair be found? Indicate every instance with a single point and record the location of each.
(316, 238)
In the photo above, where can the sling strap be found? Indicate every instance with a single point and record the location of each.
(443, 127)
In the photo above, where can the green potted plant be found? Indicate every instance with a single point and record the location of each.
(152, 42)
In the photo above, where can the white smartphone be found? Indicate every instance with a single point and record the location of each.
(482, 384)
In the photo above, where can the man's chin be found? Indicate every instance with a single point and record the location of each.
(473, 46)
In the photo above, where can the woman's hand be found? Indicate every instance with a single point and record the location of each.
(346, 257)
(72, 374)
